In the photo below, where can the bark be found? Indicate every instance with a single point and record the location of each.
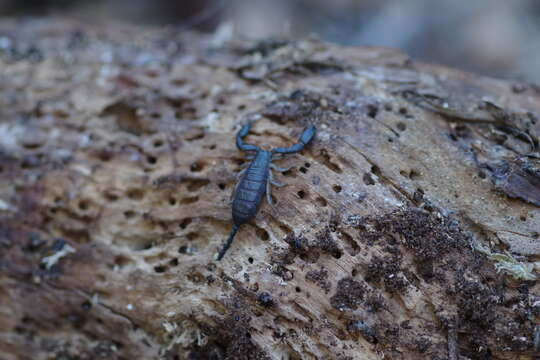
(409, 228)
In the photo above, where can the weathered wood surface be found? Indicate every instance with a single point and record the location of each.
(117, 161)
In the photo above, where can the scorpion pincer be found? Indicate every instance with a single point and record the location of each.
(256, 179)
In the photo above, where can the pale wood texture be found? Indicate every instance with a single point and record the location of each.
(117, 158)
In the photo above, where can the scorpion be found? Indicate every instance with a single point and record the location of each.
(256, 179)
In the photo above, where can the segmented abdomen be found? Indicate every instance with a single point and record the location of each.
(250, 192)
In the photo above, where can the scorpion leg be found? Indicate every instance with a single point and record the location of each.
(233, 192)
(280, 169)
(245, 164)
(231, 198)
(241, 172)
(236, 186)
(269, 192)
(274, 182)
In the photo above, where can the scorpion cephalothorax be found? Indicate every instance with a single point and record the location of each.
(256, 179)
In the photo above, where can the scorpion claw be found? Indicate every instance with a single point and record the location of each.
(305, 138)
(307, 135)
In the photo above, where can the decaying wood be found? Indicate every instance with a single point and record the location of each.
(409, 228)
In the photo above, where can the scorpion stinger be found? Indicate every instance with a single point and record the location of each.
(256, 180)
(228, 243)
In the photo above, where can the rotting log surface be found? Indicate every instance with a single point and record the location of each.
(117, 161)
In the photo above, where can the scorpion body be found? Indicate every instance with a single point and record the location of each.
(256, 179)
(251, 188)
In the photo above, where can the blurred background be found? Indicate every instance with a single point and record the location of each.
(492, 37)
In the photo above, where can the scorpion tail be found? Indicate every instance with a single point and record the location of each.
(228, 243)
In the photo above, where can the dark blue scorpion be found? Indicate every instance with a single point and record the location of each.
(256, 179)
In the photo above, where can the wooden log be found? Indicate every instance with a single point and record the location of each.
(408, 229)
